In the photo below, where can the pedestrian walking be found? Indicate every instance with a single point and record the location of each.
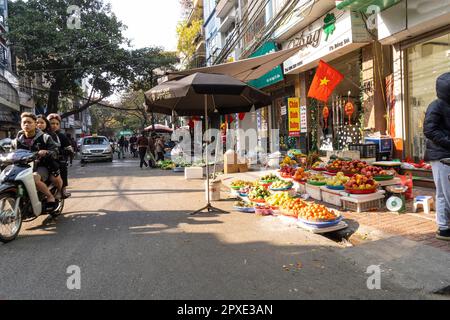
(159, 146)
(151, 150)
(437, 131)
(73, 143)
(142, 143)
(126, 146)
(122, 147)
(133, 145)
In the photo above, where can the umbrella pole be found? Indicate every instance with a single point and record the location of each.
(208, 206)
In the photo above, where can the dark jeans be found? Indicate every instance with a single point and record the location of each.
(142, 153)
(64, 173)
(160, 156)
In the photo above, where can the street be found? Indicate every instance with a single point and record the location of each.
(130, 233)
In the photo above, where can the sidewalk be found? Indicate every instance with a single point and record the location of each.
(368, 226)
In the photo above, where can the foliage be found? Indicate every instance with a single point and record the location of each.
(96, 52)
(186, 38)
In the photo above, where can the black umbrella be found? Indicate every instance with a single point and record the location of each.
(204, 94)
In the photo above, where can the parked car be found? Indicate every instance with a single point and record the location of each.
(96, 148)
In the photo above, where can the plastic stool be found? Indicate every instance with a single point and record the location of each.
(426, 202)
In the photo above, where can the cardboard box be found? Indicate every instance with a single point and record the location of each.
(243, 167)
(231, 168)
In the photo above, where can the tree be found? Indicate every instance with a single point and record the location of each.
(186, 36)
(47, 44)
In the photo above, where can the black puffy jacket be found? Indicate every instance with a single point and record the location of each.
(436, 126)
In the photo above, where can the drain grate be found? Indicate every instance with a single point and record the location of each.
(444, 291)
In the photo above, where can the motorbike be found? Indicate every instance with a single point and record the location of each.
(19, 199)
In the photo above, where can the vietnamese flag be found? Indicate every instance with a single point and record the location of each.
(324, 82)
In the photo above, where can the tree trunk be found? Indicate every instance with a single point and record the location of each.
(53, 98)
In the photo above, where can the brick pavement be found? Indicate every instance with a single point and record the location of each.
(418, 227)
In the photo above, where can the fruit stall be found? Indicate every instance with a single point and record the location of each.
(313, 194)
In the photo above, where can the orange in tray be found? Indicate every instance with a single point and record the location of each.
(292, 208)
(317, 212)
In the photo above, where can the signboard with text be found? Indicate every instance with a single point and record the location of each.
(303, 120)
(294, 117)
(273, 76)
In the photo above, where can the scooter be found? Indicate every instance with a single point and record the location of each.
(19, 199)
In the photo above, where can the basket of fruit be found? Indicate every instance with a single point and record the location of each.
(281, 186)
(278, 199)
(287, 172)
(353, 167)
(268, 179)
(379, 174)
(337, 182)
(263, 210)
(361, 184)
(237, 185)
(317, 180)
(258, 194)
(292, 207)
(319, 216)
(335, 166)
(243, 206)
(301, 175)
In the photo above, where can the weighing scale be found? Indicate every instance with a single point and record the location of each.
(397, 202)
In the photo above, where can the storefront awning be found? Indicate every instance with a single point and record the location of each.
(363, 5)
(244, 70)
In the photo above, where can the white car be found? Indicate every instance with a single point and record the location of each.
(96, 148)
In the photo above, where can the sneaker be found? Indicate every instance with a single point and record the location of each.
(443, 235)
(66, 195)
(50, 206)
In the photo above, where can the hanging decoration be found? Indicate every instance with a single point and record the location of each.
(241, 116)
(349, 110)
(325, 114)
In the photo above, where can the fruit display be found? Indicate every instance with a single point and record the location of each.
(243, 205)
(353, 167)
(317, 180)
(361, 184)
(293, 207)
(263, 210)
(278, 199)
(317, 213)
(287, 172)
(244, 191)
(301, 175)
(269, 178)
(319, 166)
(287, 161)
(338, 181)
(258, 194)
(238, 184)
(377, 171)
(281, 185)
(336, 165)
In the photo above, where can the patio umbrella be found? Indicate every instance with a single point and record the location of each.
(159, 128)
(204, 94)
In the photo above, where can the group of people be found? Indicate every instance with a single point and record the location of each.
(43, 135)
(143, 146)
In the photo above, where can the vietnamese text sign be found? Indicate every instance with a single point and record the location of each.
(303, 120)
(294, 117)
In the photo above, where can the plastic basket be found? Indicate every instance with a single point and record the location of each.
(367, 150)
(370, 205)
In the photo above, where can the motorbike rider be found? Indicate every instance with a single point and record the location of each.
(65, 150)
(34, 140)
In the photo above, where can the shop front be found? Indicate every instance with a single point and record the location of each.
(337, 38)
(420, 36)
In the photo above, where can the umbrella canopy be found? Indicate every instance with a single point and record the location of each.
(186, 96)
(246, 69)
(159, 128)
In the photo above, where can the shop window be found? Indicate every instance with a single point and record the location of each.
(426, 62)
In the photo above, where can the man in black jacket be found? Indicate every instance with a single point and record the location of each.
(34, 140)
(437, 132)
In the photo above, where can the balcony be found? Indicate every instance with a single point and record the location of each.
(227, 23)
(224, 6)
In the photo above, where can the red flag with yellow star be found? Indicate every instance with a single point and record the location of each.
(325, 81)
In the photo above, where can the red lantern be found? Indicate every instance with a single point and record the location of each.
(349, 109)
(326, 113)
(241, 116)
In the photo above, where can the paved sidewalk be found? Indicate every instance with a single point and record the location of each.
(418, 227)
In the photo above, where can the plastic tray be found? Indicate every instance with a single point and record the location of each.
(243, 209)
(366, 191)
(338, 188)
(282, 189)
(321, 224)
(317, 184)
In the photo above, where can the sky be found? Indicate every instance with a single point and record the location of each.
(149, 22)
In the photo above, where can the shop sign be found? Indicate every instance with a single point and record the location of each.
(273, 76)
(294, 117)
(333, 32)
(303, 119)
(295, 16)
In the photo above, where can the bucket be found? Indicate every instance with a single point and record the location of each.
(214, 190)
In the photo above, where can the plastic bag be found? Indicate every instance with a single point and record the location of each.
(407, 181)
